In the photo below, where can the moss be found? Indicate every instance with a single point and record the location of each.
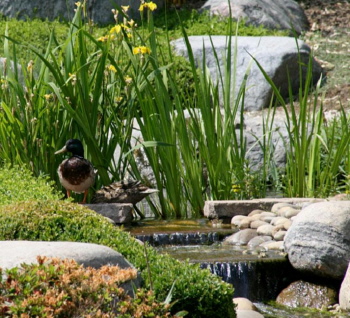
(196, 291)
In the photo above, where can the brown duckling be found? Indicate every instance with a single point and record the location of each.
(122, 192)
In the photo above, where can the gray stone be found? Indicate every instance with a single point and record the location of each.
(255, 217)
(227, 209)
(273, 14)
(278, 56)
(278, 220)
(344, 293)
(236, 220)
(243, 304)
(265, 229)
(87, 254)
(240, 238)
(318, 241)
(273, 245)
(279, 235)
(277, 228)
(248, 314)
(291, 213)
(266, 213)
(305, 294)
(245, 223)
(287, 224)
(255, 212)
(268, 219)
(277, 206)
(257, 223)
(98, 11)
(257, 240)
(120, 213)
(288, 211)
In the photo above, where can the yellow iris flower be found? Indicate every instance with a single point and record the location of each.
(141, 50)
(148, 5)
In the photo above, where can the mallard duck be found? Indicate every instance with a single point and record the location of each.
(76, 173)
(122, 192)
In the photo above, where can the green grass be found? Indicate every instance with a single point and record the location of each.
(37, 32)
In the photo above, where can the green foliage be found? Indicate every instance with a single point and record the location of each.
(33, 32)
(96, 87)
(196, 291)
(199, 23)
(317, 155)
(19, 184)
(62, 288)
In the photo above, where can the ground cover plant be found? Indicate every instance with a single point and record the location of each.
(196, 291)
(62, 288)
(95, 85)
(19, 184)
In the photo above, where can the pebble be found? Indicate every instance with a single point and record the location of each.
(257, 223)
(279, 236)
(240, 238)
(273, 245)
(236, 220)
(252, 213)
(245, 223)
(264, 229)
(257, 240)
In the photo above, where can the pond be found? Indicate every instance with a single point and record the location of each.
(255, 274)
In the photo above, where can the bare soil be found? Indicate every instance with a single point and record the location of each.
(329, 38)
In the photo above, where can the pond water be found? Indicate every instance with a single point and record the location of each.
(256, 275)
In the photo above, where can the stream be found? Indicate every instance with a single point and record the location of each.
(256, 275)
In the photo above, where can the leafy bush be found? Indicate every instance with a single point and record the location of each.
(62, 288)
(199, 23)
(195, 290)
(18, 184)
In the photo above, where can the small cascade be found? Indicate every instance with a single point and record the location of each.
(256, 275)
(256, 280)
(161, 239)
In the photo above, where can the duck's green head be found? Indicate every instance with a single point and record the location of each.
(74, 146)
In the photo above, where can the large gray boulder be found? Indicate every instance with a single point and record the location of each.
(273, 14)
(344, 293)
(99, 11)
(14, 253)
(318, 241)
(280, 57)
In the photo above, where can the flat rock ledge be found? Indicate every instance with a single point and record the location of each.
(230, 208)
(87, 254)
(119, 213)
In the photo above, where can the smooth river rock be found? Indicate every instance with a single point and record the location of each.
(14, 253)
(305, 294)
(318, 241)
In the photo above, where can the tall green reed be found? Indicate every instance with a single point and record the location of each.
(78, 93)
(94, 89)
(315, 149)
(97, 89)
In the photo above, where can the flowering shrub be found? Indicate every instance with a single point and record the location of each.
(62, 288)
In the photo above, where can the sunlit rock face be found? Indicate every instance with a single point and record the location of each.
(280, 57)
(98, 11)
(318, 241)
(305, 294)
